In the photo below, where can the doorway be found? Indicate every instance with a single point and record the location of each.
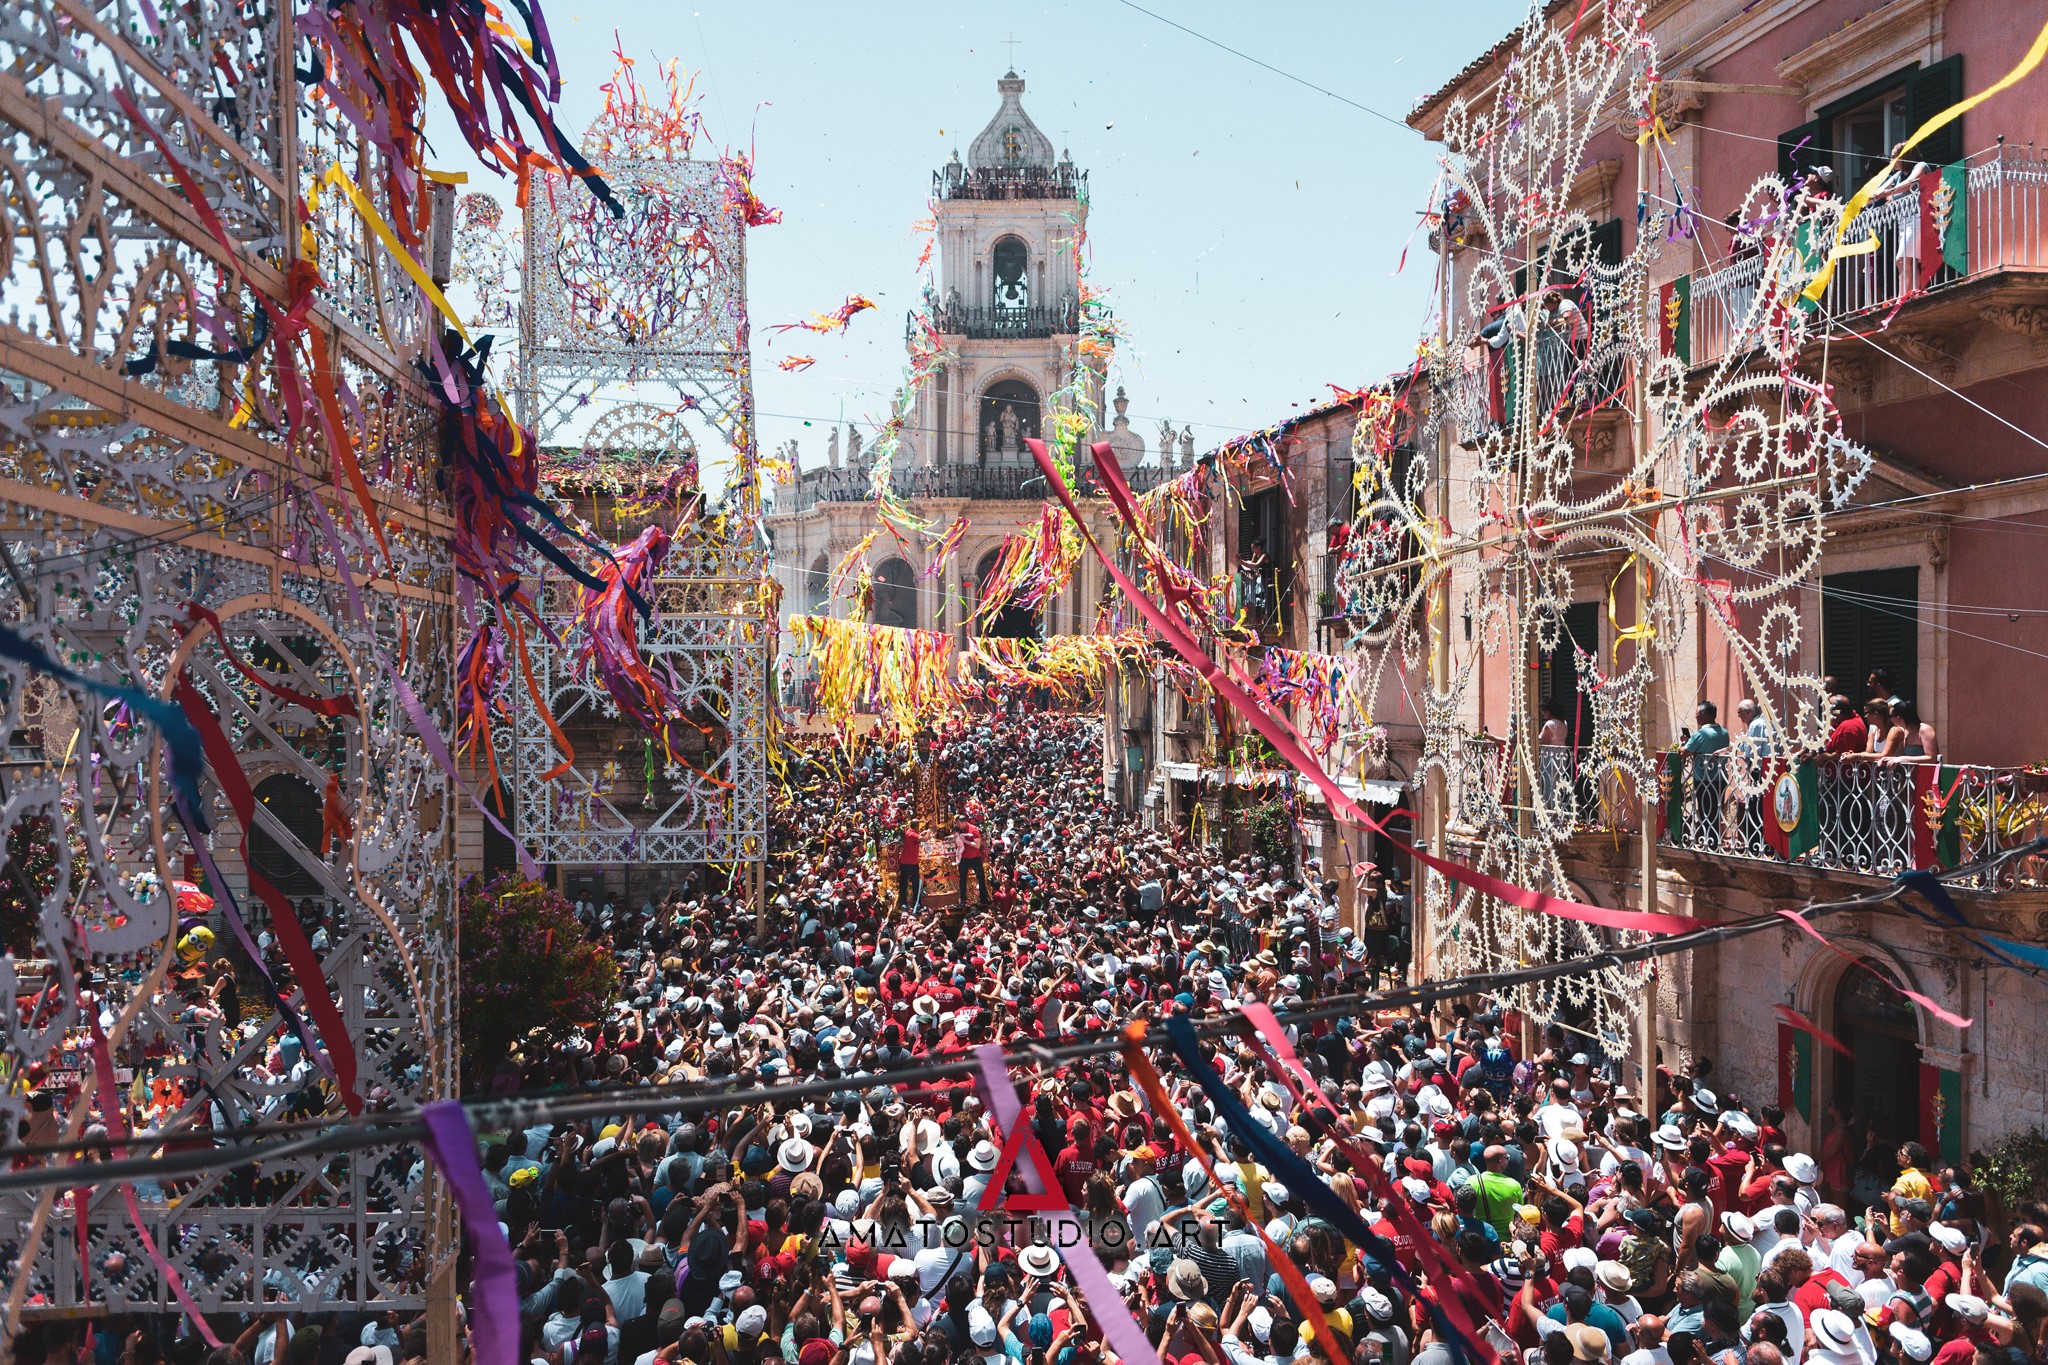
(1877, 1085)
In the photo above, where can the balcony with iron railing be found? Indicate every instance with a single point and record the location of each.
(1063, 181)
(998, 323)
(2004, 221)
(1873, 819)
(1566, 381)
(996, 481)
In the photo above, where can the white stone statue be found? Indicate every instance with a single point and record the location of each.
(832, 449)
(1008, 419)
(1166, 443)
(1187, 446)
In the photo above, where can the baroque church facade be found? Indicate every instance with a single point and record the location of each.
(1005, 300)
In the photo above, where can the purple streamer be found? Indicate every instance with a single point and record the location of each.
(1105, 1304)
(493, 1283)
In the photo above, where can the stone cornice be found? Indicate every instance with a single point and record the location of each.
(1885, 38)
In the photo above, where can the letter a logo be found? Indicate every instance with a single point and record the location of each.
(1050, 1201)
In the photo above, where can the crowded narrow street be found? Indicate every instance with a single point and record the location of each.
(1371, 739)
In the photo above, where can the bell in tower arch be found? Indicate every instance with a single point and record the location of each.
(1012, 274)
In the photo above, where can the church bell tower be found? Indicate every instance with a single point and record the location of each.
(1007, 299)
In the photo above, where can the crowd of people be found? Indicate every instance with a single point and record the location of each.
(1533, 1209)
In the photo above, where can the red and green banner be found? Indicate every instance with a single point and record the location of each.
(1791, 815)
(1674, 319)
(1941, 1112)
(1671, 806)
(1795, 1071)
(1937, 843)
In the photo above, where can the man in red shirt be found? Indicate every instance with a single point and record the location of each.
(908, 877)
(1850, 735)
(972, 852)
(1075, 1163)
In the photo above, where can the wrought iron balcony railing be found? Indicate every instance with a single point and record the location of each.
(1567, 383)
(1002, 324)
(2003, 227)
(1876, 819)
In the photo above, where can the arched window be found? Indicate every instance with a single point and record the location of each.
(1012, 622)
(895, 595)
(297, 806)
(1009, 413)
(1012, 260)
(817, 587)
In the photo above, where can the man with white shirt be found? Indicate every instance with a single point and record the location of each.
(1805, 1171)
(1835, 1243)
(1619, 1144)
(1647, 1332)
(1559, 1119)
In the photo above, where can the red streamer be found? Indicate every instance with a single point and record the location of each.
(1284, 742)
(284, 921)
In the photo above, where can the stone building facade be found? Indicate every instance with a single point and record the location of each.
(1005, 300)
(1930, 574)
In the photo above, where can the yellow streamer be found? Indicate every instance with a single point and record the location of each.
(375, 222)
(1641, 630)
(1861, 199)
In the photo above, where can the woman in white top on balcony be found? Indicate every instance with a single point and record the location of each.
(1890, 184)
(1887, 738)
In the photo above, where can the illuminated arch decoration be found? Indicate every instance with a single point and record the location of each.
(616, 311)
(1554, 343)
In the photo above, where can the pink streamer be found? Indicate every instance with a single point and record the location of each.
(1947, 1017)
(1284, 742)
(117, 1128)
(1105, 1304)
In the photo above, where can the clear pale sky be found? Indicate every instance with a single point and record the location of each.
(1245, 229)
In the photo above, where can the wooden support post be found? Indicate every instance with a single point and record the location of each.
(1647, 803)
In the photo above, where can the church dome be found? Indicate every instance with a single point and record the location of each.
(1011, 140)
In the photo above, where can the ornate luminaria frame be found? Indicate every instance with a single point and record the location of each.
(1725, 502)
(712, 808)
(658, 296)
(133, 482)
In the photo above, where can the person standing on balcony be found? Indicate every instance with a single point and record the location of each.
(1922, 743)
(1756, 732)
(1706, 775)
(1850, 735)
(1882, 738)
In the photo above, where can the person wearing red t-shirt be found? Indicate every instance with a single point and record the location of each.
(1075, 1163)
(1850, 735)
(1730, 1166)
(973, 861)
(908, 875)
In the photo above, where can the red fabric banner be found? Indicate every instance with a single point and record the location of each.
(284, 921)
(1280, 735)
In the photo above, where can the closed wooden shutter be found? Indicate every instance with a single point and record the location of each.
(1607, 242)
(1872, 620)
(1928, 92)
